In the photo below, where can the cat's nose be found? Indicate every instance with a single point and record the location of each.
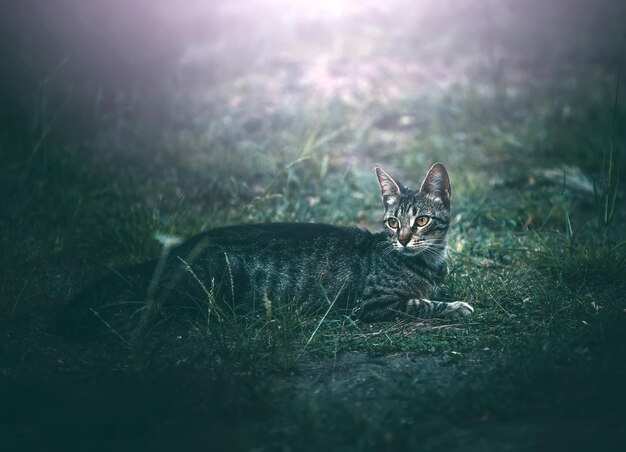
(404, 237)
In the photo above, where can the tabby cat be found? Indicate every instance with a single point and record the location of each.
(372, 276)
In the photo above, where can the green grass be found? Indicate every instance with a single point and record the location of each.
(549, 319)
(549, 306)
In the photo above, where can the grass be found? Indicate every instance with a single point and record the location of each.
(541, 259)
(549, 309)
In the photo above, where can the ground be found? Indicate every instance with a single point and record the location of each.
(159, 124)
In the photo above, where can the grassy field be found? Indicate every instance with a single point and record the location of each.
(274, 114)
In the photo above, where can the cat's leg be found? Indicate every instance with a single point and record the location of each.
(381, 310)
(428, 309)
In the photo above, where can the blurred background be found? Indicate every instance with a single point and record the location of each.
(160, 85)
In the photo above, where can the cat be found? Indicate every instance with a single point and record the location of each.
(371, 276)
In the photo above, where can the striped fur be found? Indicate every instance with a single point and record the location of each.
(373, 276)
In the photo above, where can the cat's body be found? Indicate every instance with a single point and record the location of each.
(374, 276)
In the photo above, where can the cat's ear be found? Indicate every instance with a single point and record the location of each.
(389, 188)
(437, 184)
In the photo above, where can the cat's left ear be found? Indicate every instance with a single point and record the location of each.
(389, 188)
(437, 184)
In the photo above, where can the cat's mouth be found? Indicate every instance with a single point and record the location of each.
(408, 249)
(414, 247)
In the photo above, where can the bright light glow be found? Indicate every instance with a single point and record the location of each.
(333, 9)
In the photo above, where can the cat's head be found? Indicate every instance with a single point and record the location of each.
(417, 221)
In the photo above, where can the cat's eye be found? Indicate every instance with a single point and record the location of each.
(393, 223)
(422, 221)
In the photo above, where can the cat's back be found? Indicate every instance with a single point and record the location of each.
(287, 260)
(253, 238)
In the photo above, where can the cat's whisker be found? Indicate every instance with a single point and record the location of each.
(387, 251)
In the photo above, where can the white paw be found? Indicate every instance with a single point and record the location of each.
(460, 309)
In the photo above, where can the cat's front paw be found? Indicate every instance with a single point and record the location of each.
(459, 310)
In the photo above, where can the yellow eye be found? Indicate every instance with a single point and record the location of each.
(393, 223)
(422, 221)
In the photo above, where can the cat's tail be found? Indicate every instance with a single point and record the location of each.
(105, 307)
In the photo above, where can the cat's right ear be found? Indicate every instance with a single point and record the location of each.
(437, 184)
(389, 188)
